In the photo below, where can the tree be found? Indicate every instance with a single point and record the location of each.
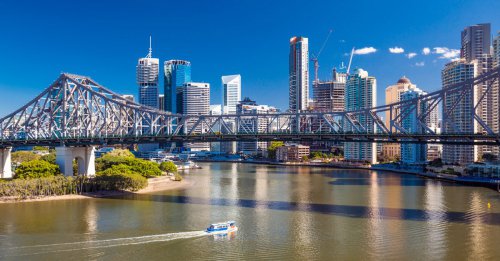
(168, 166)
(305, 158)
(120, 153)
(144, 167)
(271, 150)
(36, 169)
(51, 157)
(437, 162)
(40, 148)
(489, 157)
(24, 156)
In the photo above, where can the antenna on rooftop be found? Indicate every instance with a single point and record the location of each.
(150, 54)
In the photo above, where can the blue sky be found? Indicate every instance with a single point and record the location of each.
(41, 39)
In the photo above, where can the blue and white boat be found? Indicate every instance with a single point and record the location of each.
(222, 228)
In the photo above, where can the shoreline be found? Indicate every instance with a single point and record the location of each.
(154, 185)
(471, 181)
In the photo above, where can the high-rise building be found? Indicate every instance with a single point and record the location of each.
(476, 48)
(231, 92)
(475, 41)
(298, 74)
(413, 153)
(194, 99)
(496, 50)
(329, 96)
(176, 73)
(247, 106)
(393, 95)
(360, 93)
(161, 102)
(147, 71)
(461, 115)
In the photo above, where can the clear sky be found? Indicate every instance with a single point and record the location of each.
(104, 39)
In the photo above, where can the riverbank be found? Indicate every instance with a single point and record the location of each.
(472, 181)
(154, 185)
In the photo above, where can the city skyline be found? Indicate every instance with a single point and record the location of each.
(119, 75)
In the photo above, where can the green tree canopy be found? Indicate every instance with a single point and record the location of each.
(271, 150)
(36, 169)
(168, 166)
(24, 156)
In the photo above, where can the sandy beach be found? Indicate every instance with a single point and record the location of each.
(154, 185)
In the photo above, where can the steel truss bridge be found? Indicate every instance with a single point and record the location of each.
(77, 111)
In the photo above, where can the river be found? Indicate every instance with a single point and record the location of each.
(283, 213)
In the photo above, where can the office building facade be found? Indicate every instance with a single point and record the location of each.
(194, 99)
(462, 120)
(360, 93)
(393, 95)
(248, 106)
(176, 74)
(413, 153)
(329, 96)
(231, 92)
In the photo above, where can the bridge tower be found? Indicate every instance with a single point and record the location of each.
(84, 156)
(5, 163)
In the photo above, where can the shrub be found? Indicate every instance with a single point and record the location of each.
(119, 181)
(120, 153)
(177, 176)
(24, 156)
(51, 157)
(144, 167)
(168, 166)
(36, 169)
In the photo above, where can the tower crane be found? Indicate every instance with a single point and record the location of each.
(350, 61)
(315, 57)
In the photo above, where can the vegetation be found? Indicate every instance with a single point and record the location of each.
(489, 157)
(51, 157)
(177, 176)
(60, 185)
(438, 163)
(305, 158)
(168, 166)
(36, 169)
(120, 177)
(143, 167)
(271, 150)
(24, 156)
(40, 148)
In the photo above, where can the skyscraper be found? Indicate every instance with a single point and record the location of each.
(413, 153)
(360, 93)
(147, 71)
(475, 41)
(392, 95)
(329, 96)
(161, 102)
(176, 73)
(231, 92)
(476, 47)
(298, 74)
(194, 99)
(496, 50)
(461, 115)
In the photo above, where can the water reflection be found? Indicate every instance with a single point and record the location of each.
(436, 226)
(332, 209)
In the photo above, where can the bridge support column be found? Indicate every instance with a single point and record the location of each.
(84, 156)
(5, 163)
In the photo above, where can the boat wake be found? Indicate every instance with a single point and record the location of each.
(94, 244)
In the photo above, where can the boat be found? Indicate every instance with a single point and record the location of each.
(222, 228)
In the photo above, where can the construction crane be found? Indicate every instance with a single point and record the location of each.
(350, 61)
(315, 57)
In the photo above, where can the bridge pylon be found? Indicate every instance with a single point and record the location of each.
(84, 156)
(5, 163)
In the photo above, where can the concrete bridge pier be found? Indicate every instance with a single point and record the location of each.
(5, 163)
(84, 156)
